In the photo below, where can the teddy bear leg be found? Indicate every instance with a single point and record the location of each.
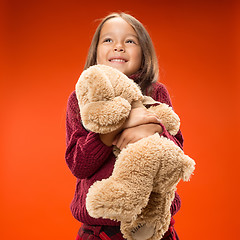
(155, 217)
(153, 221)
(175, 165)
(123, 195)
(113, 199)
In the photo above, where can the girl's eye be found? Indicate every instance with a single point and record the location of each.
(130, 41)
(107, 40)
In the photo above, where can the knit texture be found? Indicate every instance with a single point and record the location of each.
(90, 160)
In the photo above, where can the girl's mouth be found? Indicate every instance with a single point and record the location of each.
(118, 60)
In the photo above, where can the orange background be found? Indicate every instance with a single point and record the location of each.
(43, 49)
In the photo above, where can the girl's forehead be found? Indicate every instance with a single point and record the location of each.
(117, 25)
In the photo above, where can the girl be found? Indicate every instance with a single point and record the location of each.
(120, 41)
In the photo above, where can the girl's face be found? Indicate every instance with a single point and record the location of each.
(119, 47)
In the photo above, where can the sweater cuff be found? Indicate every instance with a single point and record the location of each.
(166, 134)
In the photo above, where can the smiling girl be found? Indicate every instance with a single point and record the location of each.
(120, 41)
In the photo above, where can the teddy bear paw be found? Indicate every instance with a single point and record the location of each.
(142, 232)
(107, 199)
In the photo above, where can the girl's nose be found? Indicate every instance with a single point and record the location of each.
(119, 48)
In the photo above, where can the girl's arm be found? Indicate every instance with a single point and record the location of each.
(176, 204)
(133, 134)
(138, 117)
(161, 94)
(85, 151)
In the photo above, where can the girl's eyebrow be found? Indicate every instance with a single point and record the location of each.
(133, 35)
(110, 33)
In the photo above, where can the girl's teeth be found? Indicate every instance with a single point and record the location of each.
(117, 60)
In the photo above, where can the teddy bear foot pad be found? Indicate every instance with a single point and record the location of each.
(142, 232)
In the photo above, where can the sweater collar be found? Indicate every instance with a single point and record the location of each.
(136, 77)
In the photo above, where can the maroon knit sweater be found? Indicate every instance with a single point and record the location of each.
(90, 160)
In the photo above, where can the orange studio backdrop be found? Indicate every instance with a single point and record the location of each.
(43, 49)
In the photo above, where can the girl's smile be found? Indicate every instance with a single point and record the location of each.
(119, 60)
(119, 46)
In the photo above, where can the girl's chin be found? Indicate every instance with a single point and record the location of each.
(120, 67)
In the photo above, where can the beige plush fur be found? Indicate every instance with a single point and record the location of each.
(142, 186)
(105, 96)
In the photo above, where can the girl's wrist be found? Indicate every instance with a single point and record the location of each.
(159, 128)
(108, 138)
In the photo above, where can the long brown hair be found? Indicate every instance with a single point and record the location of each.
(149, 68)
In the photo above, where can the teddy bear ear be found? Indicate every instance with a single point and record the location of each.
(105, 116)
(122, 85)
(93, 85)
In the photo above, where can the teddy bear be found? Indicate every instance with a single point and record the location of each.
(142, 186)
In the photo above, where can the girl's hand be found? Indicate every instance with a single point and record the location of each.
(108, 138)
(139, 116)
(132, 135)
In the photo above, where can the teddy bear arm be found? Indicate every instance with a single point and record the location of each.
(105, 116)
(168, 117)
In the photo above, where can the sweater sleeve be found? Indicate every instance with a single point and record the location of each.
(176, 204)
(162, 95)
(85, 152)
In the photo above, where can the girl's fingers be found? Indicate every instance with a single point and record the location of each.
(125, 142)
(151, 119)
(119, 142)
(116, 140)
